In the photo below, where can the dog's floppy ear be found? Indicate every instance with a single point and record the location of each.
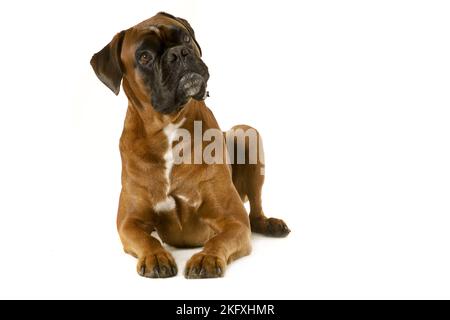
(107, 65)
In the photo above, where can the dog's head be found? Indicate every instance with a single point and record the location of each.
(159, 58)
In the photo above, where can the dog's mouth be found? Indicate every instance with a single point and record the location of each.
(193, 85)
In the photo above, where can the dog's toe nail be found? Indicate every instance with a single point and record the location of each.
(163, 270)
(142, 270)
(174, 270)
(190, 273)
(219, 270)
(286, 229)
(194, 271)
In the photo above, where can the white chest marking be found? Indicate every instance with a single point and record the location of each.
(171, 133)
(167, 204)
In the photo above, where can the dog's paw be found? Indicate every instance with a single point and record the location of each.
(158, 265)
(270, 227)
(203, 265)
(277, 228)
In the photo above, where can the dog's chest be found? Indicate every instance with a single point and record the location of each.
(171, 132)
(174, 193)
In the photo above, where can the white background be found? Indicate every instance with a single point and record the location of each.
(352, 99)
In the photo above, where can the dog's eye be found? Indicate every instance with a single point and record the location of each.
(145, 58)
(186, 38)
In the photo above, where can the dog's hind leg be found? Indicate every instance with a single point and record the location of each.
(247, 157)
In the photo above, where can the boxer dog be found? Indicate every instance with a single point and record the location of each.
(158, 62)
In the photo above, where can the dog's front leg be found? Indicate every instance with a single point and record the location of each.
(135, 225)
(231, 242)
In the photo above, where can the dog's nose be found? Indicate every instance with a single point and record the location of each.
(178, 52)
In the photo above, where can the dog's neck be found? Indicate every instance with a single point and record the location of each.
(142, 114)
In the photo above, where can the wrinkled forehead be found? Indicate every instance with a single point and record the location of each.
(159, 19)
(160, 26)
(169, 33)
